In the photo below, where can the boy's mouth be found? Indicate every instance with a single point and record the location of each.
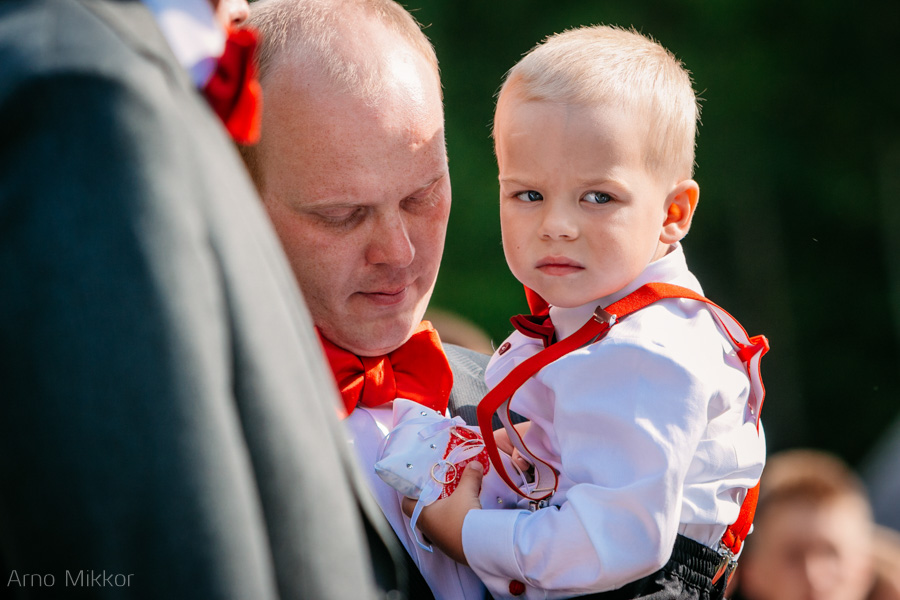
(558, 265)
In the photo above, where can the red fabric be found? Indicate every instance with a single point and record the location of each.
(536, 304)
(737, 532)
(538, 327)
(418, 370)
(233, 91)
(461, 435)
(759, 343)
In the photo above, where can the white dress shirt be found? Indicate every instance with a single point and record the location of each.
(447, 579)
(651, 434)
(193, 33)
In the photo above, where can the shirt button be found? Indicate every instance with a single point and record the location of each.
(516, 588)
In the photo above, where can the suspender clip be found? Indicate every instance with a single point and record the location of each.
(601, 316)
(727, 564)
(536, 505)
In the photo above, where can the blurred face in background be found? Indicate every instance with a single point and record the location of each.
(231, 13)
(807, 551)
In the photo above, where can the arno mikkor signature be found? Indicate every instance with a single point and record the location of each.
(81, 578)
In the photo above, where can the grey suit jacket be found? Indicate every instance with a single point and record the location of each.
(468, 381)
(165, 413)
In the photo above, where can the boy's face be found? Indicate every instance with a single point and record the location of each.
(581, 216)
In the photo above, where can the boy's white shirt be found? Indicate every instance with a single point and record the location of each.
(448, 580)
(650, 434)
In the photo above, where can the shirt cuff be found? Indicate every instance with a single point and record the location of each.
(488, 543)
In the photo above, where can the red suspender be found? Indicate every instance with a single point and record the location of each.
(749, 349)
(737, 532)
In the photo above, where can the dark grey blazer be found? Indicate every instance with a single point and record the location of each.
(165, 413)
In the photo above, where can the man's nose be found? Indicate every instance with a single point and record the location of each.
(390, 242)
(558, 221)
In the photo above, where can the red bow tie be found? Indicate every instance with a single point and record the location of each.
(418, 370)
(233, 91)
(539, 327)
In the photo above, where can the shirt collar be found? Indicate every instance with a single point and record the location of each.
(193, 33)
(671, 268)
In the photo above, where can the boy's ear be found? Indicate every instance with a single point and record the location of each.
(680, 205)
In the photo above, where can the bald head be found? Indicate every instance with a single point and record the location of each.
(337, 40)
(352, 165)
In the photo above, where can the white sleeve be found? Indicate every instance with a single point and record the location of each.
(628, 416)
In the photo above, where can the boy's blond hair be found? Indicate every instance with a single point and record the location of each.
(311, 32)
(606, 65)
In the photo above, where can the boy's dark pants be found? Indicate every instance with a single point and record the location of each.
(687, 576)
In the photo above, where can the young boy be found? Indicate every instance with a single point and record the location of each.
(653, 430)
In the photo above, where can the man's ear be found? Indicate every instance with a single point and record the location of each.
(680, 205)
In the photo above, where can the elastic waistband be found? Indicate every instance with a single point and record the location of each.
(694, 561)
(691, 563)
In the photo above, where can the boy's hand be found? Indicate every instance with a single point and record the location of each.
(442, 521)
(501, 437)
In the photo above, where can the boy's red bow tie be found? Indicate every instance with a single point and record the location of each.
(233, 91)
(418, 370)
(539, 327)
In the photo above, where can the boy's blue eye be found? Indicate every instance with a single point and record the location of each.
(597, 197)
(530, 196)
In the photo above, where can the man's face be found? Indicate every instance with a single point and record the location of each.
(806, 552)
(360, 197)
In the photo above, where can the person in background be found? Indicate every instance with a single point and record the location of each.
(167, 422)
(814, 536)
(232, 13)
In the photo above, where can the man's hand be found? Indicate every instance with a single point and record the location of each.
(442, 521)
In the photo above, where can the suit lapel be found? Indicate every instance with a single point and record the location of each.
(137, 27)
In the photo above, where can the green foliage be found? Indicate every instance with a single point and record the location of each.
(800, 116)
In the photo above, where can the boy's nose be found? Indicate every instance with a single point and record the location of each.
(557, 222)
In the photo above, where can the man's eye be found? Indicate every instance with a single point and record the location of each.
(597, 197)
(530, 196)
(339, 216)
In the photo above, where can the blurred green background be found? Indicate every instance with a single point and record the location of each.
(799, 170)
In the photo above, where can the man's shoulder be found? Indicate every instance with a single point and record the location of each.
(468, 381)
(465, 361)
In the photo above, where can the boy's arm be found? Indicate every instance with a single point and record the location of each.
(442, 521)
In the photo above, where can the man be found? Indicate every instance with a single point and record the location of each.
(352, 92)
(166, 423)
